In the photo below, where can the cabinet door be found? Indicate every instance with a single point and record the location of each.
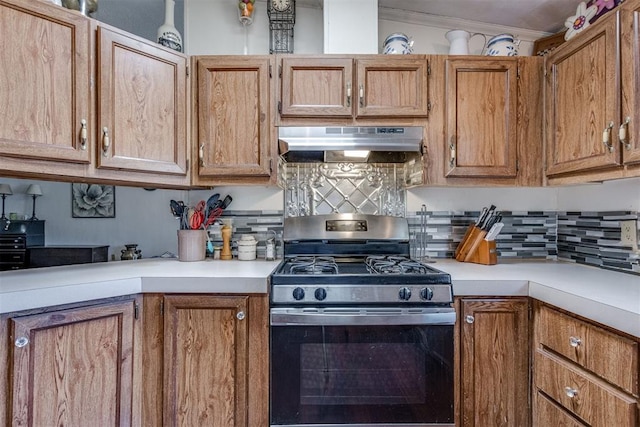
(582, 100)
(74, 367)
(392, 87)
(44, 82)
(494, 362)
(313, 87)
(481, 117)
(630, 66)
(205, 360)
(142, 105)
(232, 109)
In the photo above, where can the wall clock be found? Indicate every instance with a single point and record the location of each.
(282, 18)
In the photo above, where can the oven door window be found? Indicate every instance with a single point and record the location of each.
(361, 374)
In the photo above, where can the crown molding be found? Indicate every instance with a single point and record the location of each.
(425, 19)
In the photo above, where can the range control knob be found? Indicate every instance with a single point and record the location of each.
(320, 294)
(298, 294)
(426, 294)
(404, 294)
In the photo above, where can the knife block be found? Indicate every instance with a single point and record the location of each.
(473, 248)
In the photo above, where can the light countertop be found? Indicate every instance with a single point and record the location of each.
(605, 296)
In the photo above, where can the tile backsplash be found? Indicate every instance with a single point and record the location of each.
(591, 238)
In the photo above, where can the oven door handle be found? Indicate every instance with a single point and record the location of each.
(361, 317)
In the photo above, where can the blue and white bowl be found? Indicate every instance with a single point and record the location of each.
(397, 43)
(503, 45)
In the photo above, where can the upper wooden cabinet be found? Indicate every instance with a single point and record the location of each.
(481, 114)
(45, 73)
(486, 121)
(142, 105)
(232, 122)
(353, 87)
(71, 367)
(592, 101)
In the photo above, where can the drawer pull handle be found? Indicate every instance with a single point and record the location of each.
(240, 315)
(22, 341)
(575, 341)
(571, 392)
(469, 319)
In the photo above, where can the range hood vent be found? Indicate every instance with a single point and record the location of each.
(354, 144)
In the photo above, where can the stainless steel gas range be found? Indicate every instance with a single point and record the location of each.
(361, 334)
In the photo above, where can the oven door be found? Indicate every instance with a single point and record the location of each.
(361, 366)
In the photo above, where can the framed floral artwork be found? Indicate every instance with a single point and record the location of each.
(93, 201)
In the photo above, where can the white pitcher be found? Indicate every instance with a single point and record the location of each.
(459, 41)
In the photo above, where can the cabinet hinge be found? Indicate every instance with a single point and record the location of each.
(187, 70)
(161, 308)
(270, 166)
(136, 310)
(188, 164)
(279, 107)
(428, 68)
(518, 73)
(428, 105)
(280, 71)
(270, 75)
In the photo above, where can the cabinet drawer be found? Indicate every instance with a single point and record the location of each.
(608, 355)
(547, 412)
(583, 394)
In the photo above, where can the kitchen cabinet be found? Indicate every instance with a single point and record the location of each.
(493, 360)
(486, 121)
(85, 102)
(213, 350)
(353, 87)
(232, 120)
(592, 102)
(71, 366)
(45, 74)
(587, 374)
(142, 105)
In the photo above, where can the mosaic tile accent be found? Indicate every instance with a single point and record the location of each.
(531, 235)
(593, 238)
(260, 224)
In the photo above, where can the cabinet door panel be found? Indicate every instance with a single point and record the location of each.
(391, 87)
(495, 362)
(233, 117)
(582, 100)
(205, 361)
(74, 367)
(44, 82)
(142, 106)
(481, 134)
(630, 66)
(317, 87)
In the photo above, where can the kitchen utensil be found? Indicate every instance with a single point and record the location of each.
(494, 231)
(211, 202)
(177, 208)
(423, 231)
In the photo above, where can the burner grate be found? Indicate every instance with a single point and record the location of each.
(386, 264)
(313, 265)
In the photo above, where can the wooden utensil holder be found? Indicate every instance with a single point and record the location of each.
(473, 248)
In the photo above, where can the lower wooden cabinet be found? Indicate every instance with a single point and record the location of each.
(587, 374)
(493, 355)
(72, 367)
(207, 360)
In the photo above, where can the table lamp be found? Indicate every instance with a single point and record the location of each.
(5, 190)
(34, 190)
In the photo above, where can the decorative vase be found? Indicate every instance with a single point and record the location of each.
(168, 35)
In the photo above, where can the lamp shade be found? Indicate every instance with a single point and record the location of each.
(34, 190)
(5, 189)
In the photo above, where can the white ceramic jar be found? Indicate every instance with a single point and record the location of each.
(247, 247)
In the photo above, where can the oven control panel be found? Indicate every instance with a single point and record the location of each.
(342, 294)
(346, 225)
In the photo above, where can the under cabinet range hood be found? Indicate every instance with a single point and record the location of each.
(367, 144)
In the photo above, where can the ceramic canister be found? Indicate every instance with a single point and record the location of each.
(503, 45)
(397, 43)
